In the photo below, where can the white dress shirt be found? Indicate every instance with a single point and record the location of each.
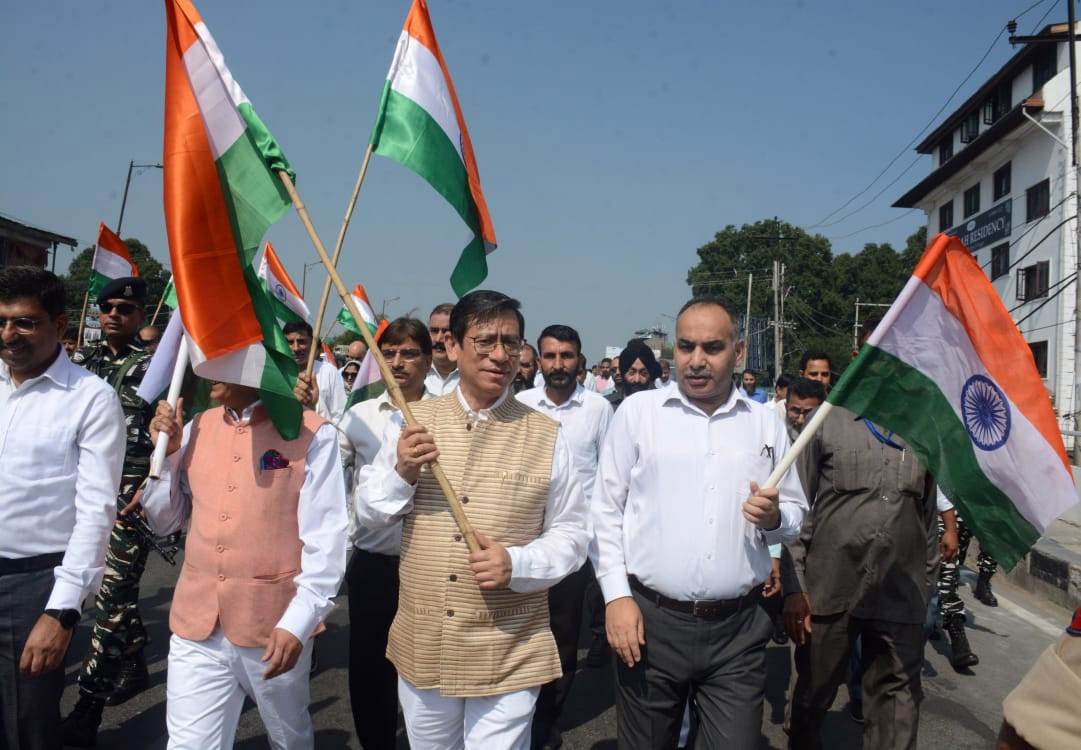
(360, 432)
(383, 497)
(672, 480)
(438, 384)
(62, 443)
(590, 383)
(321, 522)
(583, 420)
(332, 396)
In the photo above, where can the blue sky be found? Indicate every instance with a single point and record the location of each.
(613, 139)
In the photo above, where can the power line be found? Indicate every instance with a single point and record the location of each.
(915, 139)
(909, 212)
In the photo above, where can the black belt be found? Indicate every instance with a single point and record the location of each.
(11, 565)
(698, 607)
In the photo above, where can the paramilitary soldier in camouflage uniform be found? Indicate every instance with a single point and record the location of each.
(951, 607)
(115, 667)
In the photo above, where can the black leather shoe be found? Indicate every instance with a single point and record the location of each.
(132, 679)
(80, 728)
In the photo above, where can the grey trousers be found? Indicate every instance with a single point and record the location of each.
(721, 662)
(892, 657)
(29, 706)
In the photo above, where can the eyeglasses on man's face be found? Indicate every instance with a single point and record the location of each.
(486, 344)
(407, 355)
(24, 326)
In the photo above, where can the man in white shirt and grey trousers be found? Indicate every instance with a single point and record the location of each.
(681, 535)
(62, 442)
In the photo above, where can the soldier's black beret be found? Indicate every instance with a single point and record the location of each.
(128, 287)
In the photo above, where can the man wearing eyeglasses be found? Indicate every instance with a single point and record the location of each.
(373, 570)
(804, 396)
(61, 452)
(115, 666)
(471, 640)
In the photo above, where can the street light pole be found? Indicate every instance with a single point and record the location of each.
(127, 184)
(304, 276)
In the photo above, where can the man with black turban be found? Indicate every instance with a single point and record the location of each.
(639, 369)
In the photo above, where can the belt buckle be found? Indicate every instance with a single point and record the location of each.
(703, 608)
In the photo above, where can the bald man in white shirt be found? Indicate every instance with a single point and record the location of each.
(681, 535)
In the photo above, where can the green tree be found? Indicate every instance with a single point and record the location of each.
(914, 247)
(75, 281)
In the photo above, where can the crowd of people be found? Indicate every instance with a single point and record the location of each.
(629, 495)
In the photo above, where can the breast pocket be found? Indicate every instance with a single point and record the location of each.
(36, 453)
(852, 473)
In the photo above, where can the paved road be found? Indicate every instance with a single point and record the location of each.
(960, 710)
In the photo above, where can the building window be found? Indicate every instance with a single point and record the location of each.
(970, 127)
(945, 216)
(1032, 281)
(998, 104)
(1000, 260)
(1039, 355)
(1038, 200)
(1000, 182)
(972, 200)
(1043, 67)
(945, 150)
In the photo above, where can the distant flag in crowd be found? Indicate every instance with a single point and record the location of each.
(112, 260)
(420, 125)
(360, 298)
(222, 193)
(369, 382)
(328, 355)
(285, 298)
(168, 295)
(949, 372)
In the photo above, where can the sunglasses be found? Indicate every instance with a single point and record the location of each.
(122, 308)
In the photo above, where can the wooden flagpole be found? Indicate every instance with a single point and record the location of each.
(337, 254)
(157, 309)
(82, 319)
(392, 385)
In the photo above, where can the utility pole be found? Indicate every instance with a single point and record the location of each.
(776, 319)
(780, 340)
(747, 323)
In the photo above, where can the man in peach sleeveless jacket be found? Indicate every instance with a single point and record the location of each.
(265, 553)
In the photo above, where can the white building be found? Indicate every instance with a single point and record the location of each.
(1002, 181)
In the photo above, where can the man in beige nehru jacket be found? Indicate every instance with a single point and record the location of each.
(471, 640)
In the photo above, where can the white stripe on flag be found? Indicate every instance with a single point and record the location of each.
(1026, 465)
(415, 73)
(216, 93)
(160, 372)
(111, 265)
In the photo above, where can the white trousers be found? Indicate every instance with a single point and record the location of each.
(205, 691)
(495, 722)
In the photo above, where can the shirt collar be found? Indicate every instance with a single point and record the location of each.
(245, 416)
(483, 413)
(736, 399)
(576, 396)
(385, 402)
(435, 372)
(60, 371)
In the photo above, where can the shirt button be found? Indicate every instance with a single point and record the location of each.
(711, 487)
(221, 578)
(224, 516)
(453, 577)
(709, 556)
(457, 537)
(450, 613)
(221, 548)
(230, 487)
(236, 458)
(239, 430)
(711, 522)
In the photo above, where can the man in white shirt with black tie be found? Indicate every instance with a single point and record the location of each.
(62, 443)
(681, 535)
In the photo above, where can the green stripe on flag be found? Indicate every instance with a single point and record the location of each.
(280, 372)
(168, 296)
(406, 133)
(882, 388)
(95, 283)
(471, 269)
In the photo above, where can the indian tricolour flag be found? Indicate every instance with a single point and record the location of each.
(949, 372)
(360, 299)
(420, 125)
(111, 261)
(284, 296)
(222, 193)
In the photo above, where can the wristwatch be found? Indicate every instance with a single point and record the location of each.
(67, 618)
